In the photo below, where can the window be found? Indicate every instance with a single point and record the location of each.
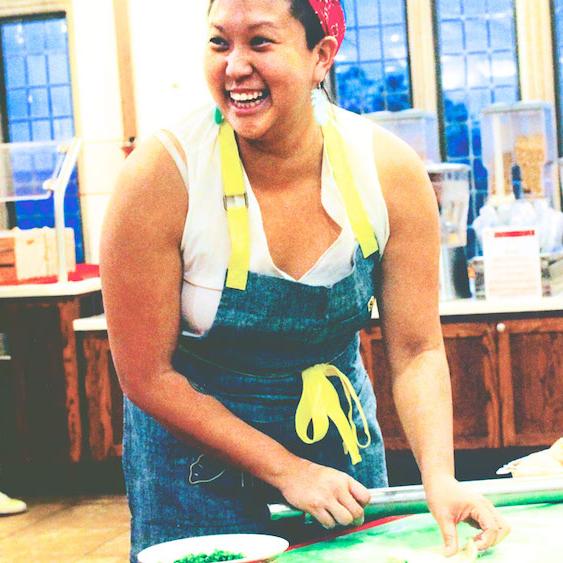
(558, 59)
(372, 66)
(478, 67)
(37, 105)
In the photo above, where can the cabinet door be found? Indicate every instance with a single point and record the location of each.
(103, 396)
(471, 353)
(531, 380)
(373, 354)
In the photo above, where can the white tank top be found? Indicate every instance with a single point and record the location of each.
(206, 243)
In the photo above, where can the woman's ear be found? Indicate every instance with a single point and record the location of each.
(326, 51)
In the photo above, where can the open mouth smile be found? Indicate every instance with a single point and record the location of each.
(247, 100)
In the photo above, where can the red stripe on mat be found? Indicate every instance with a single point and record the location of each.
(348, 531)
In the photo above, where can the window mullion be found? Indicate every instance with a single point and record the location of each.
(535, 59)
(422, 53)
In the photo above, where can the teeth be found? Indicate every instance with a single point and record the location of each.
(246, 97)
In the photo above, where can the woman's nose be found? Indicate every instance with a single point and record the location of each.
(238, 64)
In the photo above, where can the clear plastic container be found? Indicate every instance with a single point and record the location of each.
(519, 151)
(451, 184)
(417, 128)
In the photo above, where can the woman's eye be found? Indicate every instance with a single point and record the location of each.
(260, 41)
(218, 42)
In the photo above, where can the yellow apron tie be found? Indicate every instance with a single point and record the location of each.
(236, 205)
(236, 202)
(320, 402)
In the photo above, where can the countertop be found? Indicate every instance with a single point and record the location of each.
(69, 288)
(456, 308)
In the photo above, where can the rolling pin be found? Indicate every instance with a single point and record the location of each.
(395, 501)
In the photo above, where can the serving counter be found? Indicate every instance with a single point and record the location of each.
(40, 403)
(505, 358)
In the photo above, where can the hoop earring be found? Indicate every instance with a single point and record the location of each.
(321, 105)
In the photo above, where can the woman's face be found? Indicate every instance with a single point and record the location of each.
(258, 67)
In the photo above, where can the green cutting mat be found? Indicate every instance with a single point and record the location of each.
(536, 537)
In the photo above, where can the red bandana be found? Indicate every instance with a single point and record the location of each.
(331, 16)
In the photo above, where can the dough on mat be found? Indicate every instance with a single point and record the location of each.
(465, 555)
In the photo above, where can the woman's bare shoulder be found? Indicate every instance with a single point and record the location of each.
(404, 181)
(150, 188)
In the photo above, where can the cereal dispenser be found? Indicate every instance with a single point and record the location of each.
(519, 147)
(417, 128)
(451, 184)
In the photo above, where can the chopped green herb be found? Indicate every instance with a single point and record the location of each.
(217, 555)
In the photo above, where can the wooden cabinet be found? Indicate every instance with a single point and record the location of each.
(506, 372)
(40, 407)
(507, 381)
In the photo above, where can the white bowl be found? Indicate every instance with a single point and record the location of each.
(255, 547)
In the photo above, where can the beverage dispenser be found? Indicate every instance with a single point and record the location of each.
(417, 128)
(451, 184)
(519, 151)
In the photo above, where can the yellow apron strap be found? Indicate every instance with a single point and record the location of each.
(320, 402)
(236, 205)
(338, 157)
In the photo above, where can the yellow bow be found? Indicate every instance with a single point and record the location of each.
(320, 402)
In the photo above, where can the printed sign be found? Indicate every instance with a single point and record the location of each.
(512, 263)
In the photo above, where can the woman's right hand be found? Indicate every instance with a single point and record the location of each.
(330, 496)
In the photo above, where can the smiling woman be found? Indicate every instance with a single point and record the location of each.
(236, 291)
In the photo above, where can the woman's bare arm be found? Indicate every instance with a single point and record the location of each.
(141, 271)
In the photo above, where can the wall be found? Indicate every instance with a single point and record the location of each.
(97, 110)
(167, 51)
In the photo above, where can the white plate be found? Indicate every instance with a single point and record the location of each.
(255, 547)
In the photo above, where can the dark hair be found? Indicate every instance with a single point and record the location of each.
(302, 11)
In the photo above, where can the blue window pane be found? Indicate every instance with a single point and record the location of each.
(56, 35)
(476, 35)
(449, 8)
(63, 128)
(475, 7)
(13, 41)
(394, 12)
(372, 69)
(34, 35)
(17, 104)
(370, 44)
(349, 49)
(368, 12)
(452, 37)
(61, 101)
(39, 102)
(37, 70)
(558, 18)
(58, 68)
(41, 130)
(15, 71)
(478, 67)
(19, 132)
(395, 42)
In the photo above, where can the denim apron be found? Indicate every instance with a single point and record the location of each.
(277, 352)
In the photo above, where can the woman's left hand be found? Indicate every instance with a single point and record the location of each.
(452, 503)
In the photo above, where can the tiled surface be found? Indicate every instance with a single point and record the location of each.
(68, 530)
(38, 107)
(372, 67)
(477, 42)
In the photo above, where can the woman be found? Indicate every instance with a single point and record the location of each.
(240, 257)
